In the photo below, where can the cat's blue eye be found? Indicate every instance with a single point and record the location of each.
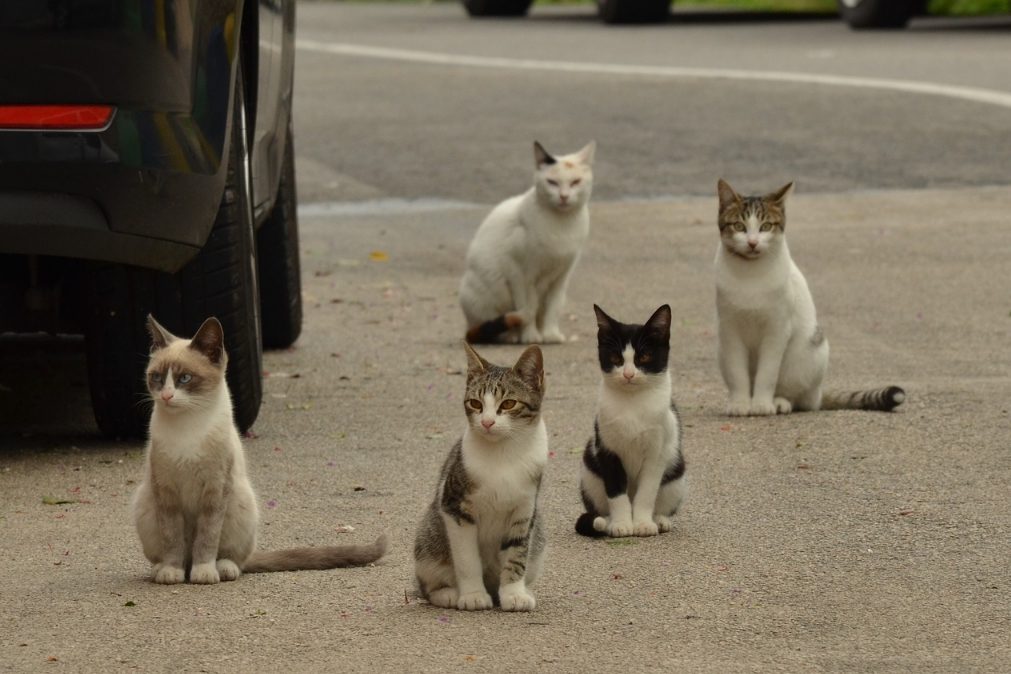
(766, 226)
(185, 379)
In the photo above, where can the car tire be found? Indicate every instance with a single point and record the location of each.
(497, 7)
(279, 272)
(887, 14)
(633, 11)
(220, 281)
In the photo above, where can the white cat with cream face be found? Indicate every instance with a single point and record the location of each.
(520, 260)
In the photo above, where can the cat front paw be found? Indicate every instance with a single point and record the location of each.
(783, 406)
(762, 408)
(204, 574)
(516, 600)
(663, 523)
(444, 597)
(530, 335)
(474, 601)
(228, 570)
(649, 528)
(739, 408)
(168, 575)
(553, 336)
(619, 529)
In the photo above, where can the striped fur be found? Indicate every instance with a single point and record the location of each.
(883, 399)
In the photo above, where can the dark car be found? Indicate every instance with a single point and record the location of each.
(147, 166)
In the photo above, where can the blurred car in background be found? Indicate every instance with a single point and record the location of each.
(147, 166)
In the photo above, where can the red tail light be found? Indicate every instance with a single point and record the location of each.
(56, 117)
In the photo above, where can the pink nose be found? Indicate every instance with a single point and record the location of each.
(628, 374)
(167, 395)
(753, 244)
(487, 423)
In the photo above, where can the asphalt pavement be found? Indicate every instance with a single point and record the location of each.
(829, 541)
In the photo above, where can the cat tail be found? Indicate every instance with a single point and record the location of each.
(584, 526)
(315, 559)
(883, 399)
(489, 331)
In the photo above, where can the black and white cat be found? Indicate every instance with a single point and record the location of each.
(481, 538)
(521, 258)
(633, 475)
(773, 354)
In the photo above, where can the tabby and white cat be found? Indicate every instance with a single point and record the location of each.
(520, 260)
(633, 475)
(195, 510)
(482, 535)
(773, 354)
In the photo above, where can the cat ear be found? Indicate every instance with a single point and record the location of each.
(586, 154)
(659, 322)
(530, 367)
(780, 195)
(727, 194)
(475, 363)
(210, 340)
(160, 337)
(604, 322)
(541, 156)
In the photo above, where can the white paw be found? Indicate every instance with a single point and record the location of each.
(762, 408)
(204, 574)
(474, 601)
(648, 528)
(531, 335)
(517, 600)
(228, 570)
(739, 408)
(663, 523)
(168, 575)
(620, 529)
(553, 336)
(783, 406)
(444, 597)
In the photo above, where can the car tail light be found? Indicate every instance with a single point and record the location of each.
(55, 117)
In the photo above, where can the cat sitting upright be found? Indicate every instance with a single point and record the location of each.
(481, 538)
(773, 354)
(521, 258)
(195, 510)
(632, 479)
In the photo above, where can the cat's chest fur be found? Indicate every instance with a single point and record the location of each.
(551, 236)
(636, 427)
(506, 473)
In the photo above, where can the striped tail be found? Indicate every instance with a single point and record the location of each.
(584, 526)
(489, 331)
(883, 399)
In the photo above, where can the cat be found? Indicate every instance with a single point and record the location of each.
(519, 263)
(195, 510)
(482, 536)
(773, 354)
(632, 479)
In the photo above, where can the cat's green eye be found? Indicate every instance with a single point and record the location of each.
(507, 405)
(185, 378)
(739, 227)
(475, 404)
(766, 226)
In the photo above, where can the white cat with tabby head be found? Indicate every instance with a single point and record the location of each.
(773, 354)
(520, 260)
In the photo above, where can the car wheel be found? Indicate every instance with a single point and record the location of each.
(633, 11)
(877, 13)
(497, 7)
(220, 281)
(280, 275)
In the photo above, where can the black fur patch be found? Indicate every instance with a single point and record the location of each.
(651, 341)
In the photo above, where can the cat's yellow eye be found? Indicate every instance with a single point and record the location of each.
(507, 405)
(739, 227)
(617, 360)
(766, 226)
(475, 404)
(645, 358)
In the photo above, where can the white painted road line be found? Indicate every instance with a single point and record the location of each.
(971, 94)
